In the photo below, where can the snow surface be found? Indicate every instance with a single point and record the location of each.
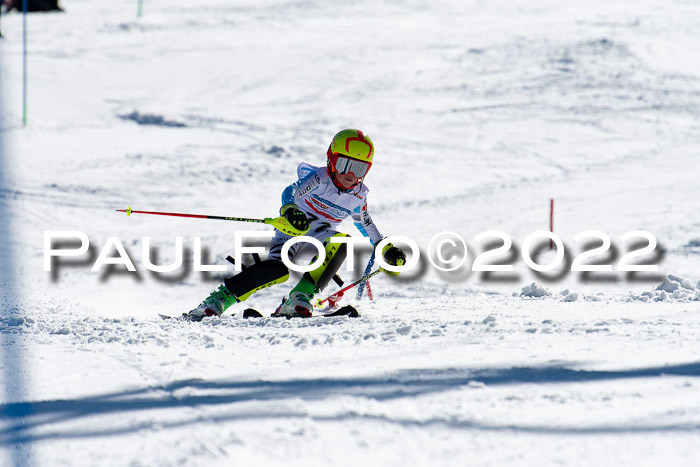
(480, 112)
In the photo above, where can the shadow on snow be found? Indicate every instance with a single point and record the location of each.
(24, 417)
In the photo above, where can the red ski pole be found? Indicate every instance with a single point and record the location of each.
(335, 298)
(280, 223)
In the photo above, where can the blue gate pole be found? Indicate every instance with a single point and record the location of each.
(361, 288)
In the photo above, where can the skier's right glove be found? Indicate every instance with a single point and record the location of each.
(295, 216)
(393, 256)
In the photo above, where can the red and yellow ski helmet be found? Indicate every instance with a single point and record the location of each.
(350, 151)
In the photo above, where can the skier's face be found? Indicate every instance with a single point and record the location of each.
(346, 180)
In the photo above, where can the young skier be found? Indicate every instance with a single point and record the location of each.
(319, 201)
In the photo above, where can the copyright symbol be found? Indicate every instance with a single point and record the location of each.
(438, 244)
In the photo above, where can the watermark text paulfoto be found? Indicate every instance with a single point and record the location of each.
(447, 251)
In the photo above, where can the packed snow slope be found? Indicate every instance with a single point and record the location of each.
(481, 112)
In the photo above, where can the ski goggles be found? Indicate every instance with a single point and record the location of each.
(345, 165)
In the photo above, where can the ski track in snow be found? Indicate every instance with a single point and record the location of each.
(481, 112)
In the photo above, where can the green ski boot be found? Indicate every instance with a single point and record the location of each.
(214, 305)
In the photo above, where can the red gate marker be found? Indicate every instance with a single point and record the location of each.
(551, 222)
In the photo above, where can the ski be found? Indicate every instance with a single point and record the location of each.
(347, 310)
(176, 318)
(183, 317)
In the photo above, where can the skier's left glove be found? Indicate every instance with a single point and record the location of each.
(295, 216)
(393, 256)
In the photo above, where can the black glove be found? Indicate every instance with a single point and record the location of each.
(296, 218)
(393, 256)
